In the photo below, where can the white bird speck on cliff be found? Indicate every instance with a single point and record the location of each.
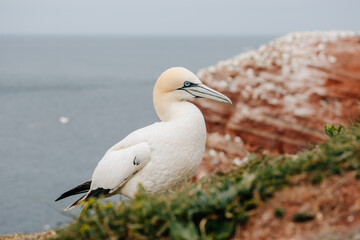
(160, 156)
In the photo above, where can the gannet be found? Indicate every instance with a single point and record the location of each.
(161, 156)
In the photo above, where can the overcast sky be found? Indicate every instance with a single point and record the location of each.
(234, 17)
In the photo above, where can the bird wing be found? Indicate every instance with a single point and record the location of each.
(118, 166)
(139, 136)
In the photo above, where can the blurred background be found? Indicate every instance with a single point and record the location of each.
(77, 76)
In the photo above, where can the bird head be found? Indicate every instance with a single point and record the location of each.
(180, 84)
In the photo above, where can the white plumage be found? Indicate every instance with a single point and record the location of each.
(163, 155)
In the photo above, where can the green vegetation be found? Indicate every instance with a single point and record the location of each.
(279, 212)
(303, 216)
(212, 207)
(332, 131)
(317, 179)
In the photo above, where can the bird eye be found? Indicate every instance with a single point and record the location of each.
(187, 84)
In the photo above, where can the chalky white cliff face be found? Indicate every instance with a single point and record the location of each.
(163, 155)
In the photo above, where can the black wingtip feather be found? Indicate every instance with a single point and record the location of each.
(84, 187)
(93, 193)
(97, 193)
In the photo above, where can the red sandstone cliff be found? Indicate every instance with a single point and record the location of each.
(283, 94)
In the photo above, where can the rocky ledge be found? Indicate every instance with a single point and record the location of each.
(283, 94)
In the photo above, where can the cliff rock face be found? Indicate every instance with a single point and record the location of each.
(283, 94)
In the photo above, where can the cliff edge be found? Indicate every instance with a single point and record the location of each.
(283, 94)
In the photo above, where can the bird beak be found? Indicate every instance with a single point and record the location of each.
(203, 91)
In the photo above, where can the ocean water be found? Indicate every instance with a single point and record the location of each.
(64, 100)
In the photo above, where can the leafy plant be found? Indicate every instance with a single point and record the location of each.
(279, 212)
(332, 131)
(317, 179)
(303, 216)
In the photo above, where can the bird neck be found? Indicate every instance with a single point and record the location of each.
(169, 109)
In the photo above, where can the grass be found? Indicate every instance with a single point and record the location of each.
(215, 205)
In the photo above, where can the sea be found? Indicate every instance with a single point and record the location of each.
(64, 100)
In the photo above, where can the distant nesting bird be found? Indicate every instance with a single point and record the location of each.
(160, 156)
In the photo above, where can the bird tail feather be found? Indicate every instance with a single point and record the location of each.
(77, 202)
(99, 192)
(82, 188)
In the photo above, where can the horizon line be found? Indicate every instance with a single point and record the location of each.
(142, 35)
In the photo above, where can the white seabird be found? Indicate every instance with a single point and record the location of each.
(160, 156)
